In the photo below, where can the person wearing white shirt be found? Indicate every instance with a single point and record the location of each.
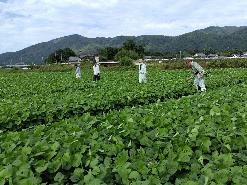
(142, 72)
(198, 74)
(78, 71)
(96, 72)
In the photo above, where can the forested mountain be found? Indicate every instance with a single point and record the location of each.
(215, 38)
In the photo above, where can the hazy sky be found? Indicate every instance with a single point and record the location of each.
(27, 22)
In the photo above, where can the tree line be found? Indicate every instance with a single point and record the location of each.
(60, 56)
(132, 50)
(126, 54)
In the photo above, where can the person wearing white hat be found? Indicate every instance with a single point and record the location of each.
(142, 72)
(198, 74)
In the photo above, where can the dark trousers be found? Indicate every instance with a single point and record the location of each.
(96, 77)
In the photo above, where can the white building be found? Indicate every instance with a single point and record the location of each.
(200, 55)
(213, 56)
(74, 59)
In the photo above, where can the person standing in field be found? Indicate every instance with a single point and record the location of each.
(77, 71)
(142, 72)
(96, 71)
(198, 74)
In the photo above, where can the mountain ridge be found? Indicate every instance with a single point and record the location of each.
(217, 38)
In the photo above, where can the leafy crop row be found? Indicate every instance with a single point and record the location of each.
(198, 139)
(41, 98)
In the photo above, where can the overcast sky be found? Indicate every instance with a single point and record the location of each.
(27, 22)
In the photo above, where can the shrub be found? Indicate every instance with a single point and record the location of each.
(126, 53)
(126, 61)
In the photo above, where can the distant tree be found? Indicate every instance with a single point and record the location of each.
(67, 52)
(169, 55)
(133, 46)
(126, 54)
(108, 53)
(192, 52)
(60, 56)
(126, 57)
(157, 54)
(208, 51)
(129, 45)
(186, 53)
(126, 61)
(238, 51)
(129, 53)
(140, 50)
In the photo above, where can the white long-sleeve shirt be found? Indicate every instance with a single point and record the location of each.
(142, 68)
(78, 70)
(196, 68)
(96, 70)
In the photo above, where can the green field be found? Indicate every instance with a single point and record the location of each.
(56, 129)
